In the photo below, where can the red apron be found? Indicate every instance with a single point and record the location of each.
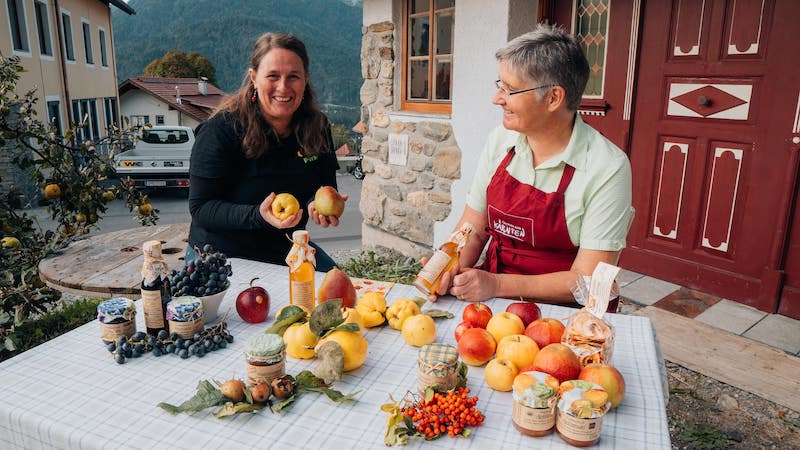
(534, 239)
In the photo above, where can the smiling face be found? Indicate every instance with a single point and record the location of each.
(280, 81)
(525, 112)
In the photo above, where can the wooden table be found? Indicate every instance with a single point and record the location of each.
(110, 264)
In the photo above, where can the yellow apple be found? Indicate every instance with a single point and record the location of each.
(518, 348)
(419, 330)
(504, 324)
(285, 206)
(499, 374)
(328, 202)
(300, 341)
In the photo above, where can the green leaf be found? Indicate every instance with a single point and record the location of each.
(462, 375)
(429, 394)
(9, 343)
(419, 301)
(230, 409)
(335, 395)
(438, 314)
(207, 396)
(326, 315)
(280, 326)
(285, 403)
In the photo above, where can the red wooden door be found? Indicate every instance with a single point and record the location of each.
(711, 150)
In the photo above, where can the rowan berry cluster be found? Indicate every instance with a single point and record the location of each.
(448, 413)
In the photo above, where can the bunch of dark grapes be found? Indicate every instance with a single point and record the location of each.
(212, 338)
(205, 275)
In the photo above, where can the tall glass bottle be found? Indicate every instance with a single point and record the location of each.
(155, 288)
(443, 260)
(302, 265)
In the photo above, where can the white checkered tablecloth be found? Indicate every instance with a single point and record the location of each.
(69, 393)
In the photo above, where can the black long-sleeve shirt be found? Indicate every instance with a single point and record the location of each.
(226, 189)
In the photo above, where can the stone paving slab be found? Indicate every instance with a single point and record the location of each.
(648, 290)
(777, 331)
(731, 316)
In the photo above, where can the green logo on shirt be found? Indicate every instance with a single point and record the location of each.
(306, 159)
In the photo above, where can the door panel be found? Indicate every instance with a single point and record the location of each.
(709, 147)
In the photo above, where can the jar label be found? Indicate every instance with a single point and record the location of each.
(534, 419)
(153, 308)
(111, 331)
(583, 430)
(433, 270)
(186, 330)
(257, 373)
(303, 294)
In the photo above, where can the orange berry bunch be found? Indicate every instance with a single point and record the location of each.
(448, 413)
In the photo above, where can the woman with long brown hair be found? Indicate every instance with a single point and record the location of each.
(269, 137)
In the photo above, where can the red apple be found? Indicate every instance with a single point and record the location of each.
(252, 304)
(559, 361)
(461, 328)
(476, 346)
(477, 314)
(527, 311)
(607, 376)
(545, 331)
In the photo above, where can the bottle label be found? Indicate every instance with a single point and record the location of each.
(153, 308)
(303, 294)
(433, 270)
(535, 419)
(583, 430)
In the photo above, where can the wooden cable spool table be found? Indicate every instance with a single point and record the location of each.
(109, 264)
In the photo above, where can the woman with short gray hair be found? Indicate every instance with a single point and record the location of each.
(551, 196)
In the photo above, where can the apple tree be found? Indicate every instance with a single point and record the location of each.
(73, 180)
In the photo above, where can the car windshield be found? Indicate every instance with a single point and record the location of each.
(165, 136)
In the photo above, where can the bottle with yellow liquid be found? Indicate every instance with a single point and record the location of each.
(302, 265)
(443, 260)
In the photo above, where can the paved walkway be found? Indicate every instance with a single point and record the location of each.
(773, 330)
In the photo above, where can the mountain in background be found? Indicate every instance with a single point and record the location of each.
(224, 32)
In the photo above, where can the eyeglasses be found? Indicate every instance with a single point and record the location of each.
(508, 93)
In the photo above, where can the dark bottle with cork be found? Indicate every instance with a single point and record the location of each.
(155, 288)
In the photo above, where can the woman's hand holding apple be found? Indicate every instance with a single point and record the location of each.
(287, 219)
(321, 219)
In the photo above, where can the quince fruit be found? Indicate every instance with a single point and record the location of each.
(10, 242)
(285, 206)
(419, 330)
(352, 316)
(353, 345)
(401, 310)
(300, 341)
(372, 307)
(52, 191)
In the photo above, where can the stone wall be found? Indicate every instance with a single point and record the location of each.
(400, 204)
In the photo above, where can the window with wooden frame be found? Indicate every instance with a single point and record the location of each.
(427, 83)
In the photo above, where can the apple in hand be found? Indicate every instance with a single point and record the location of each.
(476, 346)
(328, 202)
(461, 328)
(504, 324)
(608, 377)
(477, 314)
(545, 331)
(285, 206)
(527, 311)
(500, 373)
(252, 304)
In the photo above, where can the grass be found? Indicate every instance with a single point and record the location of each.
(395, 267)
(704, 437)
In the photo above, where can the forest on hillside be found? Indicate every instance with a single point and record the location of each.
(224, 32)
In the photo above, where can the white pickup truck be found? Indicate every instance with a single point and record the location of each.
(160, 159)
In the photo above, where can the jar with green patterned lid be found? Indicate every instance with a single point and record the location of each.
(438, 366)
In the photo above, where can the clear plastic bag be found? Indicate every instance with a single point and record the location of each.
(586, 333)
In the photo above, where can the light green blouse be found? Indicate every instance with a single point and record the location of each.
(598, 200)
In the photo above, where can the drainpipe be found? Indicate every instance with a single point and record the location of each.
(63, 51)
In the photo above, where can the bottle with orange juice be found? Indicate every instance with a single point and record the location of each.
(443, 260)
(302, 263)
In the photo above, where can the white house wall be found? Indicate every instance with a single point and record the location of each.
(138, 103)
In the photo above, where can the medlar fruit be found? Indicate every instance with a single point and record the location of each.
(282, 387)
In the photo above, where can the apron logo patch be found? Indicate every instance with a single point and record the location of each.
(307, 159)
(515, 227)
